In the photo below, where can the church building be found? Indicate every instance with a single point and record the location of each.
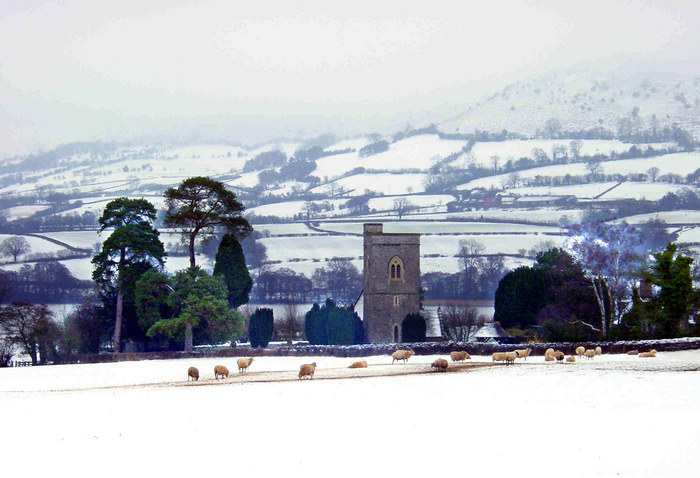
(392, 282)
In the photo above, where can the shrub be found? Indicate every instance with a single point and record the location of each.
(260, 327)
(413, 328)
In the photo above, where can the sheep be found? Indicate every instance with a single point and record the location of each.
(243, 364)
(598, 351)
(633, 352)
(220, 370)
(549, 358)
(510, 357)
(549, 352)
(525, 353)
(192, 373)
(589, 354)
(559, 355)
(498, 356)
(440, 365)
(580, 351)
(307, 370)
(401, 355)
(459, 356)
(360, 364)
(650, 354)
(571, 359)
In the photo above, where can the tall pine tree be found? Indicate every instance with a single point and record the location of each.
(230, 264)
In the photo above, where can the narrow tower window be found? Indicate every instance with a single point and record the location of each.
(396, 269)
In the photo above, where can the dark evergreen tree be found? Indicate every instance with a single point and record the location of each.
(230, 263)
(413, 328)
(261, 327)
(333, 325)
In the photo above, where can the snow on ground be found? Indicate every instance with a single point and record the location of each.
(641, 419)
(684, 216)
(648, 191)
(689, 235)
(323, 248)
(416, 152)
(494, 244)
(580, 190)
(425, 227)
(83, 239)
(482, 152)
(312, 247)
(37, 244)
(382, 183)
(418, 200)
(679, 163)
(21, 212)
(285, 229)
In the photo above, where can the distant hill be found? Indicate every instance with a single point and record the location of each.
(579, 99)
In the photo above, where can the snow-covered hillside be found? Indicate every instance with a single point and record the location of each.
(586, 99)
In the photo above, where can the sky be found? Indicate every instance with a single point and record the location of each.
(117, 70)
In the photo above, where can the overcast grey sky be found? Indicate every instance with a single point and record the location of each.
(119, 69)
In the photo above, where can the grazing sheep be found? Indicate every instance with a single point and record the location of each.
(243, 364)
(192, 373)
(360, 364)
(598, 351)
(549, 358)
(571, 359)
(440, 364)
(510, 357)
(633, 352)
(580, 350)
(498, 356)
(401, 355)
(559, 355)
(589, 354)
(523, 353)
(549, 352)
(459, 356)
(307, 370)
(220, 370)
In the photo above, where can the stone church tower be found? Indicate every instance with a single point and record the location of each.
(392, 282)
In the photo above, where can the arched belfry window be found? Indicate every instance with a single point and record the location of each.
(396, 269)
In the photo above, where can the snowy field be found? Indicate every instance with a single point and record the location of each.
(613, 416)
(678, 163)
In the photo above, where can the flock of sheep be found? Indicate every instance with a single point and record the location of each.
(440, 364)
(221, 371)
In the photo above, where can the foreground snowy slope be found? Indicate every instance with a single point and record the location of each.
(604, 418)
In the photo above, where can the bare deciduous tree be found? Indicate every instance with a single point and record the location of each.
(14, 246)
(290, 326)
(403, 206)
(460, 322)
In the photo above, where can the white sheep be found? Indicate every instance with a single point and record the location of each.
(401, 355)
(243, 364)
(549, 352)
(525, 353)
(580, 351)
(589, 354)
(220, 370)
(498, 356)
(360, 364)
(598, 351)
(440, 364)
(650, 354)
(549, 358)
(459, 356)
(510, 358)
(307, 370)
